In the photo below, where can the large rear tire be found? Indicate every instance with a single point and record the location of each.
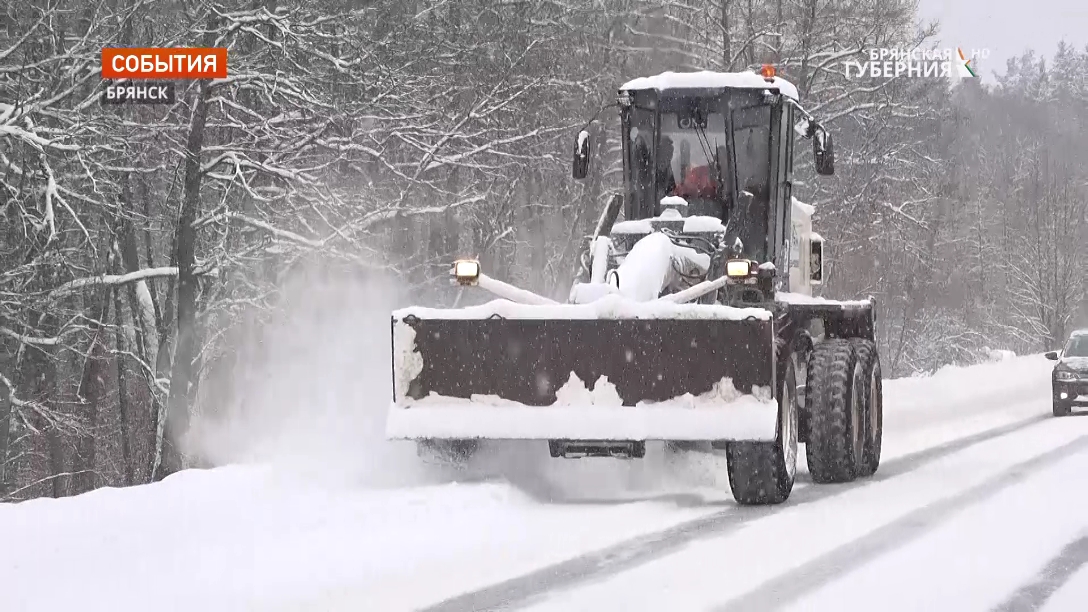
(835, 409)
(873, 406)
(762, 473)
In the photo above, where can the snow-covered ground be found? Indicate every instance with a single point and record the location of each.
(959, 533)
(290, 535)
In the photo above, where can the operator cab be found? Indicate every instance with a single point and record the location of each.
(723, 142)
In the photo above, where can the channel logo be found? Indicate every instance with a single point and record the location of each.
(148, 76)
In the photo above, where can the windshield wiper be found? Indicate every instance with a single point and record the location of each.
(711, 153)
(704, 141)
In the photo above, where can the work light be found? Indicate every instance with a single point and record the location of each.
(466, 271)
(738, 267)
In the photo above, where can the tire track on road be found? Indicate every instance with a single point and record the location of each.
(1058, 571)
(787, 588)
(527, 588)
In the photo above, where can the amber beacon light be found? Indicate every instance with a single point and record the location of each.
(164, 64)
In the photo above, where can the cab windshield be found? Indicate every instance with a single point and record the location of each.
(689, 161)
(694, 163)
(1076, 347)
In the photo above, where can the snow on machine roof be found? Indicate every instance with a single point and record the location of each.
(707, 79)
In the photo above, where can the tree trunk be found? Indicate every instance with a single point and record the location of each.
(177, 409)
(146, 322)
(39, 378)
(5, 430)
(122, 393)
(91, 394)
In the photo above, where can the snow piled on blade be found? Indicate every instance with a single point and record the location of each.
(574, 392)
(687, 418)
(607, 307)
(579, 412)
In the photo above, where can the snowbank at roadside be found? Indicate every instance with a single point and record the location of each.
(1009, 380)
(959, 401)
(253, 538)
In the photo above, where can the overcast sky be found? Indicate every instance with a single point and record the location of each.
(1008, 27)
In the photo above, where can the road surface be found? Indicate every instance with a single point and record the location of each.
(977, 506)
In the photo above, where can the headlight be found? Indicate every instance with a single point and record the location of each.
(1064, 375)
(738, 267)
(466, 271)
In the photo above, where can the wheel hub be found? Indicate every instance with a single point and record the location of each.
(788, 437)
(856, 412)
(874, 400)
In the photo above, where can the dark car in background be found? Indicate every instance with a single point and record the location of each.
(1070, 376)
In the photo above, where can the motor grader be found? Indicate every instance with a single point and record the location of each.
(692, 321)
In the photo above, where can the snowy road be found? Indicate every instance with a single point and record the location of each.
(948, 531)
(977, 506)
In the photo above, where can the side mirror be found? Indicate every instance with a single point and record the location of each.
(816, 262)
(1051, 355)
(581, 155)
(823, 152)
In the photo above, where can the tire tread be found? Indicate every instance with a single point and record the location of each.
(829, 449)
(870, 359)
(757, 470)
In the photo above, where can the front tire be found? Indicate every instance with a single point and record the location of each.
(873, 406)
(835, 404)
(763, 473)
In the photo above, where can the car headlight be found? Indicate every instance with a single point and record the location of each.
(1064, 375)
(738, 267)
